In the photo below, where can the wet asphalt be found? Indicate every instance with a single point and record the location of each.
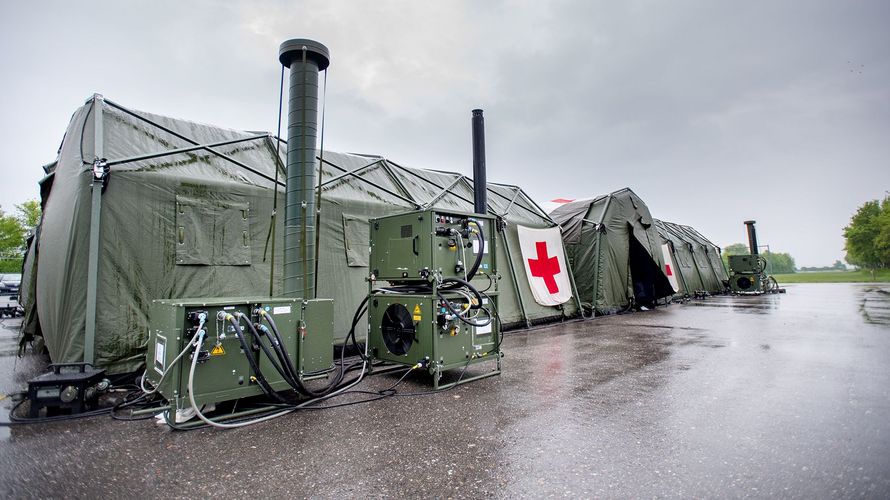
(781, 395)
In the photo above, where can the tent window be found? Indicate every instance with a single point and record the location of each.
(356, 236)
(212, 232)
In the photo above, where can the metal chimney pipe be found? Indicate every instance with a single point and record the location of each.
(480, 185)
(305, 59)
(752, 237)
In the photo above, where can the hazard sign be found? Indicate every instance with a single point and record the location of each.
(217, 350)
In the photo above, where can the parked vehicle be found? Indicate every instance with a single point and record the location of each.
(10, 283)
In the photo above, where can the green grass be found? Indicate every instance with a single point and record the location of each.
(882, 275)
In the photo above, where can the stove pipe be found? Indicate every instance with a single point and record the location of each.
(305, 59)
(752, 237)
(480, 185)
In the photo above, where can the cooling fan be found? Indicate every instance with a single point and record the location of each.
(398, 329)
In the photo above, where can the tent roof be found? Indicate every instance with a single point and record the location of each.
(572, 215)
(137, 141)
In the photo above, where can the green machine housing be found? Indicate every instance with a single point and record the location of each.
(412, 247)
(223, 372)
(746, 273)
(421, 249)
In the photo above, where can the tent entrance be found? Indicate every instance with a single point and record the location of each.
(649, 283)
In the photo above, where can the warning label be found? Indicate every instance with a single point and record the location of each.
(217, 350)
(417, 316)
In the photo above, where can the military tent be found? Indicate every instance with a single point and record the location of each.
(141, 207)
(698, 264)
(614, 251)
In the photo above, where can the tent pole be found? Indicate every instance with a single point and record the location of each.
(599, 228)
(98, 180)
(571, 278)
(515, 281)
(273, 219)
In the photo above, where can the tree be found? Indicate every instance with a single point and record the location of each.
(29, 213)
(867, 237)
(734, 249)
(779, 263)
(13, 230)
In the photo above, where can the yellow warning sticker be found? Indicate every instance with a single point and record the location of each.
(417, 309)
(417, 316)
(217, 350)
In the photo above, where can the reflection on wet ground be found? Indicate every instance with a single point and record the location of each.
(875, 305)
(781, 395)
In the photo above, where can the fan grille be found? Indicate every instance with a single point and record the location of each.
(398, 329)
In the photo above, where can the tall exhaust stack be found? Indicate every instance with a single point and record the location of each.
(305, 59)
(480, 185)
(752, 237)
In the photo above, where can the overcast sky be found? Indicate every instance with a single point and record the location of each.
(713, 112)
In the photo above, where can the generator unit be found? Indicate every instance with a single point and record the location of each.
(439, 310)
(419, 247)
(225, 370)
(747, 273)
(209, 350)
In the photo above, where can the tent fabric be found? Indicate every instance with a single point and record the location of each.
(196, 224)
(614, 251)
(699, 266)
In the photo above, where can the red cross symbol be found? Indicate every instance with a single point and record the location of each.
(545, 267)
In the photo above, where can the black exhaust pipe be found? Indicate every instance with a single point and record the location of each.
(480, 185)
(305, 59)
(752, 237)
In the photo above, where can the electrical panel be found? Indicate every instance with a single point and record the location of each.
(419, 246)
(223, 371)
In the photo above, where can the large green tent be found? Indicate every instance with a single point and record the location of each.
(698, 264)
(185, 210)
(614, 251)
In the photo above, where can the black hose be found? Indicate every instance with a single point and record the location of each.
(327, 389)
(248, 353)
(478, 262)
(283, 366)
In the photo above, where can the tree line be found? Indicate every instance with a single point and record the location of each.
(776, 262)
(867, 237)
(14, 230)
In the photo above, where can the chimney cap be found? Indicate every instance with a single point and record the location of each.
(292, 50)
(749, 222)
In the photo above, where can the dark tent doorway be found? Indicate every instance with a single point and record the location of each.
(649, 283)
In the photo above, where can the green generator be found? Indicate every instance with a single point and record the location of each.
(412, 329)
(425, 245)
(432, 313)
(223, 370)
(746, 273)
